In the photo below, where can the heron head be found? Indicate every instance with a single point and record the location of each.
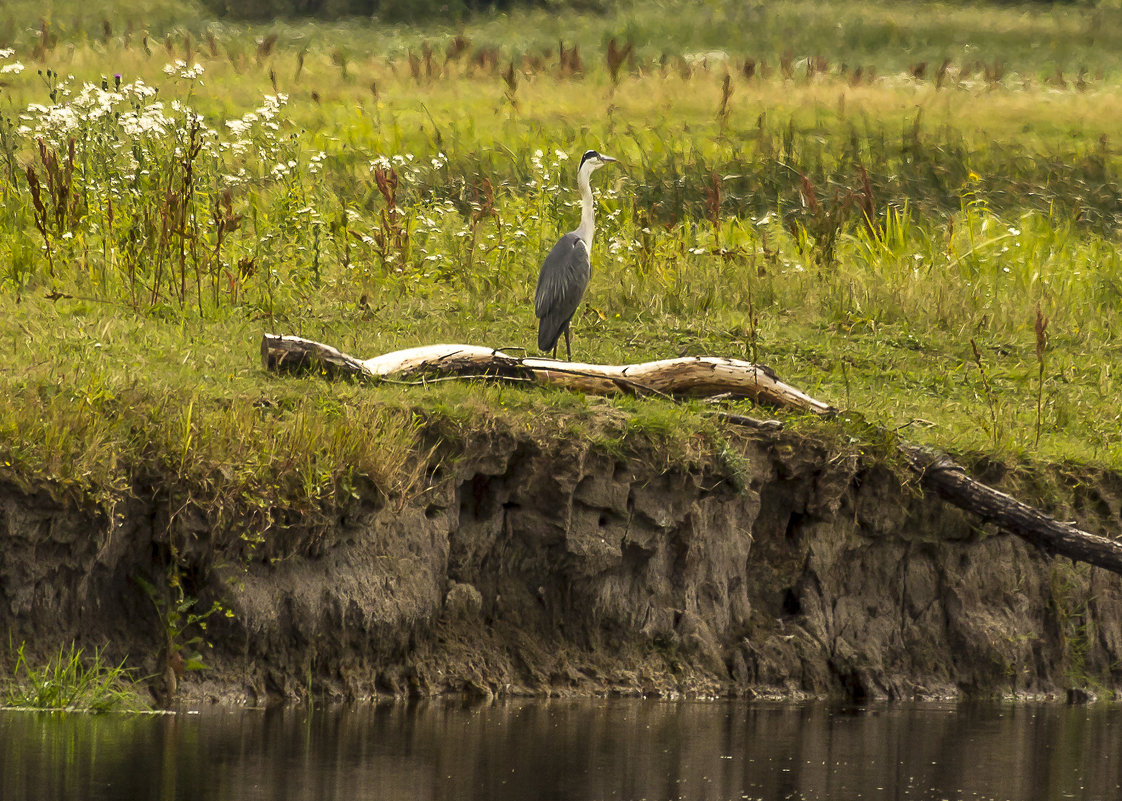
(594, 160)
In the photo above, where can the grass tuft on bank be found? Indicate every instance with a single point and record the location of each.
(71, 681)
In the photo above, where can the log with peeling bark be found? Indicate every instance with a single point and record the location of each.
(688, 376)
(695, 376)
(949, 481)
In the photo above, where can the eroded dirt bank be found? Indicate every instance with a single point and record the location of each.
(520, 569)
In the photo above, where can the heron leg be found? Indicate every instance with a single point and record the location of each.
(568, 350)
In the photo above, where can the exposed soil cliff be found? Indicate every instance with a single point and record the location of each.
(521, 569)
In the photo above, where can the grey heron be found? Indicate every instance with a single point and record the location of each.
(567, 269)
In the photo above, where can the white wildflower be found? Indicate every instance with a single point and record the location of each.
(179, 69)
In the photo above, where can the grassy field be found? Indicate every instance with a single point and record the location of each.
(911, 212)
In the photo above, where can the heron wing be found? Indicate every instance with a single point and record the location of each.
(561, 285)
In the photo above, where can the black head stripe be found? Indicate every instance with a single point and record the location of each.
(588, 154)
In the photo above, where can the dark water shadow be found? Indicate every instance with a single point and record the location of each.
(569, 750)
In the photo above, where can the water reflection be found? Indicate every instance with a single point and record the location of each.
(569, 751)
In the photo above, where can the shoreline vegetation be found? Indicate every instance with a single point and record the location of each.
(912, 213)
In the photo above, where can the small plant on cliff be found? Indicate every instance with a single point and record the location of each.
(184, 629)
(1069, 603)
(71, 681)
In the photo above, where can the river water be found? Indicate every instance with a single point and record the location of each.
(569, 750)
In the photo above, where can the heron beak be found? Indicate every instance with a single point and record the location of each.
(606, 159)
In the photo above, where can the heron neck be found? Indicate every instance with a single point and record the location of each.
(587, 215)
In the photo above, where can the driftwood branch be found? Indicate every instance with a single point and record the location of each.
(296, 355)
(689, 376)
(694, 376)
(948, 480)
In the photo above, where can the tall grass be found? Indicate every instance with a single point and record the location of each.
(71, 681)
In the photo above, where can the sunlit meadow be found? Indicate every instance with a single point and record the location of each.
(912, 214)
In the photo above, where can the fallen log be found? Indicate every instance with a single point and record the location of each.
(949, 481)
(695, 376)
(702, 376)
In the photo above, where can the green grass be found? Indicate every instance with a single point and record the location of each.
(135, 293)
(71, 681)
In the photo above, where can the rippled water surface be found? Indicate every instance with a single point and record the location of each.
(569, 751)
